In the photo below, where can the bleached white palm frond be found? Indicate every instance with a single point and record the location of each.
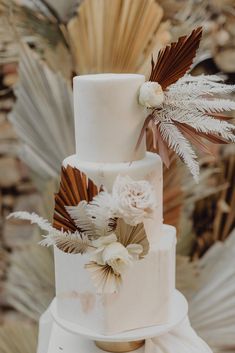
(211, 105)
(72, 243)
(43, 115)
(195, 86)
(34, 219)
(201, 122)
(82, 218)
(180, 145)
(212, 306)
(191, 112)
(102, 210)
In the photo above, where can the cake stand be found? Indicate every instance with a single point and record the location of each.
(60, 336)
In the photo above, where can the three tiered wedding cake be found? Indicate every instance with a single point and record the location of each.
(108, 121)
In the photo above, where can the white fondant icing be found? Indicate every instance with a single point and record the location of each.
(108, 117)
(150, 168)
(108, 121)
(143, 300)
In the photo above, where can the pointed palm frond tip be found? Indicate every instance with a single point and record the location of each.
(175, 59)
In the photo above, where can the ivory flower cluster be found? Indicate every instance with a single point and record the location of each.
(134, 199)
(111, 252)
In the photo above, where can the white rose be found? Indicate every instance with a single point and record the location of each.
(151, 95)
(135, 199)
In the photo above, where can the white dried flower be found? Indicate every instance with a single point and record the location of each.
(113, 253)
(135, 199)
(117, 256)
(151, 95)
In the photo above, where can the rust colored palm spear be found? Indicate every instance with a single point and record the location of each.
(74, 187)
(175, 59)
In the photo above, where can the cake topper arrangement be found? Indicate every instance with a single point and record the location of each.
(107, 227)
(185, 109)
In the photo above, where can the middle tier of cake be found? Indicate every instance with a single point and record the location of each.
(149, 168)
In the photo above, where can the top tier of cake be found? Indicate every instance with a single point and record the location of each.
(108, 117)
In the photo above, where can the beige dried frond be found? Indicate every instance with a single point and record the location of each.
(117, 35)
(127, 234)
(212, 305)
(43, 115)
(29, 286)
(105, 279)
(71, 243)
(18, 338)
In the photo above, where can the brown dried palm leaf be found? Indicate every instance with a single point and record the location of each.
(117, 35)
(127, 234)
(74, 187)
(105, 279)
(175, 59)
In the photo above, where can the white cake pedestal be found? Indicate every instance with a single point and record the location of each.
(57, 335)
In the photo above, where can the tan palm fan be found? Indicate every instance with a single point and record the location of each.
(117, 35)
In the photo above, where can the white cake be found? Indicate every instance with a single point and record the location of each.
(108, 121)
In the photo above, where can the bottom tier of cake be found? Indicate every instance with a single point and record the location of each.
(144, 298)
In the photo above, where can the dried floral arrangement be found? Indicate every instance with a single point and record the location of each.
(185, 108)
(106, 227)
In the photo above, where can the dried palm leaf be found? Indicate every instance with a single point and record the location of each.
(32, 22)
(182, 338)
(214, 216)
(31, 272)
(212, 306)
(116, 36)
(74, 188)
(43, 116)
(105, 279)
(127, 234)
(18, 338)
(63, 9)
(175, 60)
(71, 243)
